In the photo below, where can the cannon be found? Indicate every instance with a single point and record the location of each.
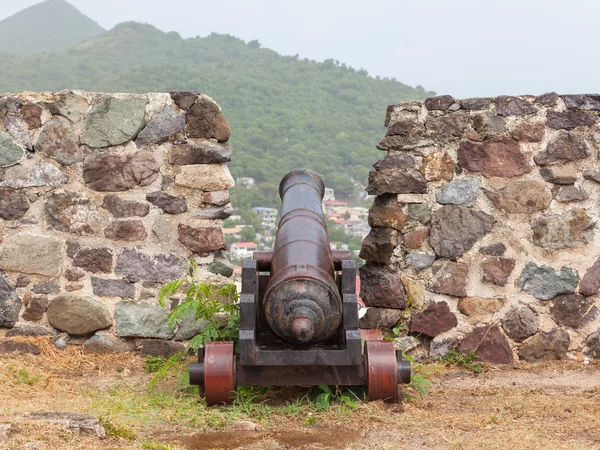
(299, 314)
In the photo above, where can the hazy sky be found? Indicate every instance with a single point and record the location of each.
(459, 47)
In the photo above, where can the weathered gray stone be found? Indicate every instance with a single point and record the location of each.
(184, 99)
(450, 278)
(381, 288)
(546, 346)
(72, 106)
(569, 120)
(571, 193)
(138, 266)
(205, 120)
(513, 106)
(590, 283)
(35, 308)
(559, 175)
(396, 181)
(201, 152)
(495, 157)
(23, 281)
(159, 347)
(217, 198)
(126, 230)
(566, 147)
(45, 287)
(205, 177)
(379, 245)
(420, 261)
(74, 422)
(142, 320)
(573, 310)
(462, 191)
(592, 175)
(520, 323)
(405, 343)
(381, 318)
(396, 161)
(448, 125)
(74, 274)
(32, 115)
(455, 229)
(404, 127)
(13, 204)
(11, 346)
(439, 103)
(201, 240)
(593, 345)
(497, 270)
(113, 122)
(168, 203)
(547, 99)
(386, 212)
(113, 172)
(94, 260)
(476, 103)
(106, 342)
(488, 343)
(72, 212)
(570, 229)
(521, 197)
(436, 319)
(588, 102)
(545, 283)
(487, 124)
(166, 123)
(112, 288)
(496, 249)
(32, 173)
(215, 212)
(10, 303)
(221, 266)
(18, 129)
(421, 212)
(78, 315)
(124, 208)
(32, 331)
(59, 141)
(440, 348)
(32, 253)
(10, 153)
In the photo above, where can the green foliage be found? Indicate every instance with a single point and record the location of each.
(153, 364)
(464, 361)
(22, 376)
(330, 395)
(418, 387)
(117, 430)
(285, 112)
(49, 26)
(216, 305)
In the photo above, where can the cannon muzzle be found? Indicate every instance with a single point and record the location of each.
(302, 302)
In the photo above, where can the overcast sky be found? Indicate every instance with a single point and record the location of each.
(459, 47)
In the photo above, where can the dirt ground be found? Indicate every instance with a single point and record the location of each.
(554, 405)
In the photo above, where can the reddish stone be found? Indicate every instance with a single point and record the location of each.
(573, 310)
(386, 212)
(590, 283)
(10, 346)
(382, 318)
(35, 309)
(567, 147)
(95, 260)
(522, 197)
(570, 120)
(396, 161)
(414, 239)
(74, 274)
(439, 103)
(168, 203)
(218, 198)
(529, 132)
(513, 106)
(497, 270)
(73, 287)
(201, 240)
(547, 99)
(496, 249)
(546, 346)
(396, 181)
(436, 319)
(126, 230)
(489, 344)
(495, 157)
(124, 208)
(477, 308)
(205, 120)
(450, 278)
(184, 99)
(438, 166)
(32, 115)
(381, 288)
(13, 204)
(112, 172)
(379, 245)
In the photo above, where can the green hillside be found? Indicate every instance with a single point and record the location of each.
(49, 26)
(284, 111)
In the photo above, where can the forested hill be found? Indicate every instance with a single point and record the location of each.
(285, 112)
(49, 26)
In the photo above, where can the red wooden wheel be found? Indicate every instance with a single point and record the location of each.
(219, 373)
(381, 371)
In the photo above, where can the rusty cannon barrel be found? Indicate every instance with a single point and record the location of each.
(302, 303)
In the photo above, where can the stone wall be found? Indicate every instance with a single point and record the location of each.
(102, 199)
(485, 227)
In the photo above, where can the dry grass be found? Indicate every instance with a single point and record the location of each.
(546, 406)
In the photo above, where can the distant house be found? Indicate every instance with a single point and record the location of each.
(245, 181)
(268, 216)
(358, 212)
(243, 249)
(334, 206)
(329, 195)
(232, 232)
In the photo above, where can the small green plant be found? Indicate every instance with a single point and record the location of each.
(23, 377)
(117, 430)
(464, 361)
(331, 395)
(418, 387)
(154, 445)
(153, 364)
(216, 305)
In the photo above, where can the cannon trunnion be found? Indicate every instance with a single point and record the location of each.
(299, 314)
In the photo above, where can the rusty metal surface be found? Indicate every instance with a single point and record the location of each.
(219, 373)
(381, 371)
(302, 303)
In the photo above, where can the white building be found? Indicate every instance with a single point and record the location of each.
(268, 216)
(243, 249)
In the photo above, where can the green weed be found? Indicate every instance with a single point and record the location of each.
(117, 430)
(463, 361)
(22, 376)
